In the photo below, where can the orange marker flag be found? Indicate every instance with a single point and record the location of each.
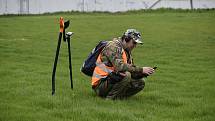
(61, 24)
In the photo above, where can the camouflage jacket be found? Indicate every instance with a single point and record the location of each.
(112, 56)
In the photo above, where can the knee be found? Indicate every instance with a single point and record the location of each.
(127, 76)
(139, 84)
(142, 84)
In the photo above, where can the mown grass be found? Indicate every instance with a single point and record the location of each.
(181, 45)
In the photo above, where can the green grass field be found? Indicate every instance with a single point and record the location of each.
(180, 44)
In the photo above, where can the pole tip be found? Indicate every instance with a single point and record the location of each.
(53, 92)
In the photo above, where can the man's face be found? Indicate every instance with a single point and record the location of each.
(131, 45)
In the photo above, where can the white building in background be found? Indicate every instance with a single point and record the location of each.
(44, 6)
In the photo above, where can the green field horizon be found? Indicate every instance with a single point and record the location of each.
(180, 44)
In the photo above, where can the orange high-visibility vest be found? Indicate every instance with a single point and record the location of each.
(102, 71)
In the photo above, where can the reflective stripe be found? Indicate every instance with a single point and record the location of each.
(103, 67)
(95, 75)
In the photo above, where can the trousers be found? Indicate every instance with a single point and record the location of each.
(115, 86)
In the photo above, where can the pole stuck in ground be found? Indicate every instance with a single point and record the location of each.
(66, 37)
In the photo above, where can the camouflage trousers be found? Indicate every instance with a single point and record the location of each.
(116, 86)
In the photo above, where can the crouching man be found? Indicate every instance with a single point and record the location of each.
(115, 75)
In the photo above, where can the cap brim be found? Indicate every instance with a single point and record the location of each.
(138, 41)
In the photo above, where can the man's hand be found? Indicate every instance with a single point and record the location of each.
(148, 71)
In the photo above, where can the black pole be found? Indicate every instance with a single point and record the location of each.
(191, 4)
(70, 61)
(55, 63)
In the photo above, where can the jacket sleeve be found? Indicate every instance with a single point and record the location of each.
(114, 56)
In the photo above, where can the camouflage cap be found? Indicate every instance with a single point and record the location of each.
(134, 34)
